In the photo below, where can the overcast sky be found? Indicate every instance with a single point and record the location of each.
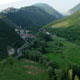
(60, 5)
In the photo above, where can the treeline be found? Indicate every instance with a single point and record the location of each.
(72, 72)
(32, 19)
(8, 37)
(6, 62)
(35, 51)
(67, 33)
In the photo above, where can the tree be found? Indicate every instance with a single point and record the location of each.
(10, 60)
(50, 71)
(3, 64)
(70, 73)
(59, 74)
(76, 77)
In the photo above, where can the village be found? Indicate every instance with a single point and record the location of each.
(25, 34)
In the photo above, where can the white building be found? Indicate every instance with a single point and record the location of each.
(11, 51)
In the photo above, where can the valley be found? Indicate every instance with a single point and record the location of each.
(33, 16)
(39, 43)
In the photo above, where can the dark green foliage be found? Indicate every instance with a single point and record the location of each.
(68, 27)
(35, 50)
(76, 70)
(64, 74)
(44, 36)
(29, 17)
(39, 43)
(8, 61)
(8, 37)
(50, 71)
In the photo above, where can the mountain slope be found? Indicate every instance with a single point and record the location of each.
(68, 27)
(48, 9)
(8, 37)
(74, 9)
(32, 16)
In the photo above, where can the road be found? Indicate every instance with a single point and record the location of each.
(19, 53)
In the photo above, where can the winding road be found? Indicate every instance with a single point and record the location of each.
(19, 53)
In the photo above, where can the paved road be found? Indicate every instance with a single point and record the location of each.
(19, 53)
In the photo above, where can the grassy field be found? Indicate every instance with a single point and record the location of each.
(70, 52)
(24, 70)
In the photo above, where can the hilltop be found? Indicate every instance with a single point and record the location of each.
(32, 17)
(68, 27)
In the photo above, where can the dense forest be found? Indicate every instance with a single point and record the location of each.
(35, 51)
(53, 53)
(8, 37)
(33, 17)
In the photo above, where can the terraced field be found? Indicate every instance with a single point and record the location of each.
(69, 53)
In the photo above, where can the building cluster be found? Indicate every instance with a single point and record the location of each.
(25, 34)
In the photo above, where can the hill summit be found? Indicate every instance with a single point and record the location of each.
(35, 16)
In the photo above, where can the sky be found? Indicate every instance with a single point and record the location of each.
(60, 5)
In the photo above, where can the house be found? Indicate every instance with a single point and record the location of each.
(43, 30)
(11, 51)
(21, 31)
(27, 31)
(32, 36)
(16, 30)
(48, 33)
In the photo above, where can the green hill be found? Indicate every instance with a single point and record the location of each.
(48, 9)
(68, 28)
(75, 9)
(8, 37)
(24, 70)
(65, 48)
(63, 52)
(32, 16)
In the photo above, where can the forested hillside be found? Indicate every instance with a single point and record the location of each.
(68, 28)
(48, 9)
(52, 53)
(8, 37)
(32, 17)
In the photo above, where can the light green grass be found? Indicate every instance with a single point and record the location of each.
(24, 70)
(70, 55)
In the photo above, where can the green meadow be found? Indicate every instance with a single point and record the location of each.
(69, 53)
(24, 70)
